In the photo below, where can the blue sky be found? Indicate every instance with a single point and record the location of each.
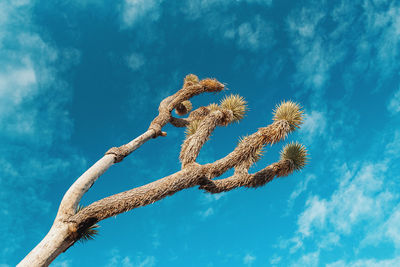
(78, 77)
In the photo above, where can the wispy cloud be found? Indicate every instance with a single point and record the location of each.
(135, 61)
(364, 196)
(33, 117)
(249, 34)
(300, 188)
(128, 261)
(313, 55)
(249, 259)
(369, 45)
(134, 10)
(367, 263)
(314, 126)
(394, 103)
(206, 213)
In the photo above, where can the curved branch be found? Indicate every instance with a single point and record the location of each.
(192, 144)
(116, 154)
(179, 122)
(249, 147)
(136, 197)
(188, 91)
(75, 193)
(243, 179)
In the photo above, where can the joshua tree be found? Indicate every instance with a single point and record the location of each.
(74, 222)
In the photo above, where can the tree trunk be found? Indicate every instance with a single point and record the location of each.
(57, 240)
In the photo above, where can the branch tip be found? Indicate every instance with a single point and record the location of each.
(291, 112)
(297, 153)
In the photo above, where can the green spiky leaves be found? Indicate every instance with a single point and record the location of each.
(192, 127)
(236, 104)
(89, 233)
(291, 112)
(297, 153)
(213, 107)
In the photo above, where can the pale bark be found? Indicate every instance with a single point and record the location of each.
(57, 240)
(63, 233)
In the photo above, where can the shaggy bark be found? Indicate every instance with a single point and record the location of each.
(70, 225)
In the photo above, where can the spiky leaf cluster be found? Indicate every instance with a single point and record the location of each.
(236, 104)
(192, 127)
(213, 107)
(89, 233)
(291, 112)
(295, 152)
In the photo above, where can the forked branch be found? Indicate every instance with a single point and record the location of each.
(72, 224)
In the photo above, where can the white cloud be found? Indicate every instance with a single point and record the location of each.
(33, 116)
(312, 54)
(197, 9)
(206, 213)
(367, 263)
(148, 261)
(275, 260)
(134, 10)
(384, 22)
(210, 198)
(248, 259)
(394, 103)
(314, 216)
(364, 201)
(392, 227)
(372, 51)
(309, 260)
(116, 260)
(361, 198)
(63, 263)
(135, 61)
(314, 125)
(300, 188)
(388, 231)
(254, 34)
(392, 149)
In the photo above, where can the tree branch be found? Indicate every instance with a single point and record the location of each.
(246, 150)
(179, 122)
(136, 197)
(70, 224)
(192, 145)
(244, 179)
(116, 154)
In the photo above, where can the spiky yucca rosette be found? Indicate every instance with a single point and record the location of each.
(236, 104)
(192, 127)
(89, 233)
(295, 152)
(291, 112)
(213, 106)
